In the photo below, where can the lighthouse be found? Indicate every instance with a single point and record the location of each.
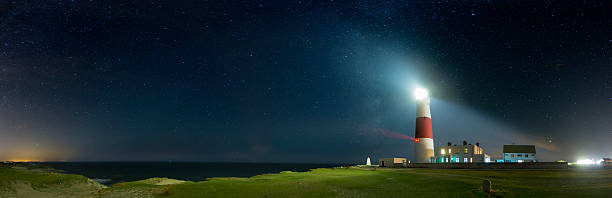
(423, 133)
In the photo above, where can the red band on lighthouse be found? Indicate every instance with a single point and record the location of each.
(423, 128)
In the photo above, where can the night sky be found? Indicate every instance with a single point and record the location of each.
(303, 81)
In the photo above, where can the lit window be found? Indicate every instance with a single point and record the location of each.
(449, 151)
(446, 160)
(465, 150)
(465, 160)
(442, 152)
(456, 159)
(470, 160)
(520, 161)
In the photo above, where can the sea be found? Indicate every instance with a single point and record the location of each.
(109, 173)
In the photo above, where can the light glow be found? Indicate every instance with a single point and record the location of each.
(23, 160)
(420, 93)
(585, 162)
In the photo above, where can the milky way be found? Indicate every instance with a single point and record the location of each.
(299, 81)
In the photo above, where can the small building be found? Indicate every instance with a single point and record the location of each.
(519, 153)
(392, 162)
(606, 162)
(466, 153)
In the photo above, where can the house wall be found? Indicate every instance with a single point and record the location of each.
(392, 162)
(508, 157)
(493, 165)
(458, 154)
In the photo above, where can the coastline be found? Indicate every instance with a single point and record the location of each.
(354, 181)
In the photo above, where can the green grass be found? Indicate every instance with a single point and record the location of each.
(16, 179)
(357, 182)
(38, 179)
(354, 182)
(331, 183)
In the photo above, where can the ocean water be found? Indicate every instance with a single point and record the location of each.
(114, 172)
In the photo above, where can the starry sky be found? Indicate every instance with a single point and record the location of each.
(300, 81)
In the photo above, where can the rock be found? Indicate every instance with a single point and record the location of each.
(486, 186)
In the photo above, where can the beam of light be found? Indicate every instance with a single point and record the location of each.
(388, 133)
(420, 93)
(454, 123)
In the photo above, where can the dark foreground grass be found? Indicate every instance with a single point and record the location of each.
(539, 183)
(358, 182)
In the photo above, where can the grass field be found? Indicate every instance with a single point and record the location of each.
(339, 182)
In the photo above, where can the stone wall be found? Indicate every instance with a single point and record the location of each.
(524, 165)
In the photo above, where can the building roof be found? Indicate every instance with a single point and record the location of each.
(519, 149)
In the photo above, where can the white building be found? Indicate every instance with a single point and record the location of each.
(466, 153)
(520, 153)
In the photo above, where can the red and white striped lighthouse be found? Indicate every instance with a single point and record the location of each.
(423, 133)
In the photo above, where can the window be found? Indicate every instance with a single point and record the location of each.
(465, 160)
(465, 150)
(512, 155)
(446, 160)
(506, 154)
(449, 151)
(457, 160)
(526, 155)
(442, 152)
(470, 160)
(519, 155)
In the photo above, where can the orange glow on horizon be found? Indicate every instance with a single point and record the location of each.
(24, 160)
(31, 160)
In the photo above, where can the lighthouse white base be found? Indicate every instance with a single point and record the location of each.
(424, 150)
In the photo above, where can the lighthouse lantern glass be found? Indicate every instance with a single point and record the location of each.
(420, 93)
